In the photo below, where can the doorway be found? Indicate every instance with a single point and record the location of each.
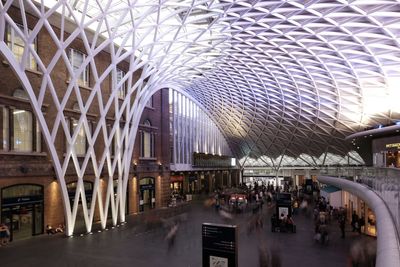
(22, 210)
(147, 194)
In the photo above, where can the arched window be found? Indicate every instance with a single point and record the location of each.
(147, 141)
(20, 132)
(20, 93)
(22, 210)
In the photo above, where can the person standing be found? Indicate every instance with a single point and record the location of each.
(354, 221)
(361, 223)
(342, 224)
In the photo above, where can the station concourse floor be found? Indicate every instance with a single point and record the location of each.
(126, 246)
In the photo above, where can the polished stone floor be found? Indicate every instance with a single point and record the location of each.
(132, 245)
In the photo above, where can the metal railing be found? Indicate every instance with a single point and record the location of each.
(388, 247)
(383, 181)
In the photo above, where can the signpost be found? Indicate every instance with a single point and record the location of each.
(284, 204)
(219, 245)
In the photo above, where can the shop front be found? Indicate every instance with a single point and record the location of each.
(176, 184)
(369, 225)
(367, 220)
(393, 159)
(193, 184)
(147, 195)
(386, 152)
(204, 186)
(333, 195)
(22, 210)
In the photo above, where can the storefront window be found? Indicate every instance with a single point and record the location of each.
(147, 194)
(367, 219)
(392, 159)
(371, 223)
(22, 210)
(176, 184)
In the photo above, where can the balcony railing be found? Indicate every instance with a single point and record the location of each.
(384, 181)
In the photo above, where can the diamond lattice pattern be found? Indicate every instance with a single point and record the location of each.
(285, 81)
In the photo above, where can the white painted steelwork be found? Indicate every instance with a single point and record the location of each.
(156, 39)
(283, 80)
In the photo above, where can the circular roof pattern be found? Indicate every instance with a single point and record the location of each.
(280, 77)
(299, 76)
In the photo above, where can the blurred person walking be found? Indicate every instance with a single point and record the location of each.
(342, 225)
(170, 238)
(4, 234)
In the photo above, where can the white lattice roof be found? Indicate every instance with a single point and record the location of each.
(285, 81)
(279, 77)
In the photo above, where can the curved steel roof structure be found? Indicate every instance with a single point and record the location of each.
(285, 81)
(280, 77)
(301, 75)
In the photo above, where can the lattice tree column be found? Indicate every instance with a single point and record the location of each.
(132, 32)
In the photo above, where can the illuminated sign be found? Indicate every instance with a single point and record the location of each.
(395, 145)
(233, 162)
(209, 160)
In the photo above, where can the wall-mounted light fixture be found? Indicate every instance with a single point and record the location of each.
(134, 169)
(160, 168)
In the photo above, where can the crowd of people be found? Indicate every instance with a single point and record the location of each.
(322, 217)
(248, 201)
(251, 201)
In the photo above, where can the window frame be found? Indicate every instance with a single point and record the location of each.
(151, 142)
(123, 89)
(74, 115)
(85, 80)
(7, 128)
(31, 64)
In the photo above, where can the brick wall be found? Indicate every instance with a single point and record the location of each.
(34, 168)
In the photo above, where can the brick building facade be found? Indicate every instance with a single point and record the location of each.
(30, 193)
